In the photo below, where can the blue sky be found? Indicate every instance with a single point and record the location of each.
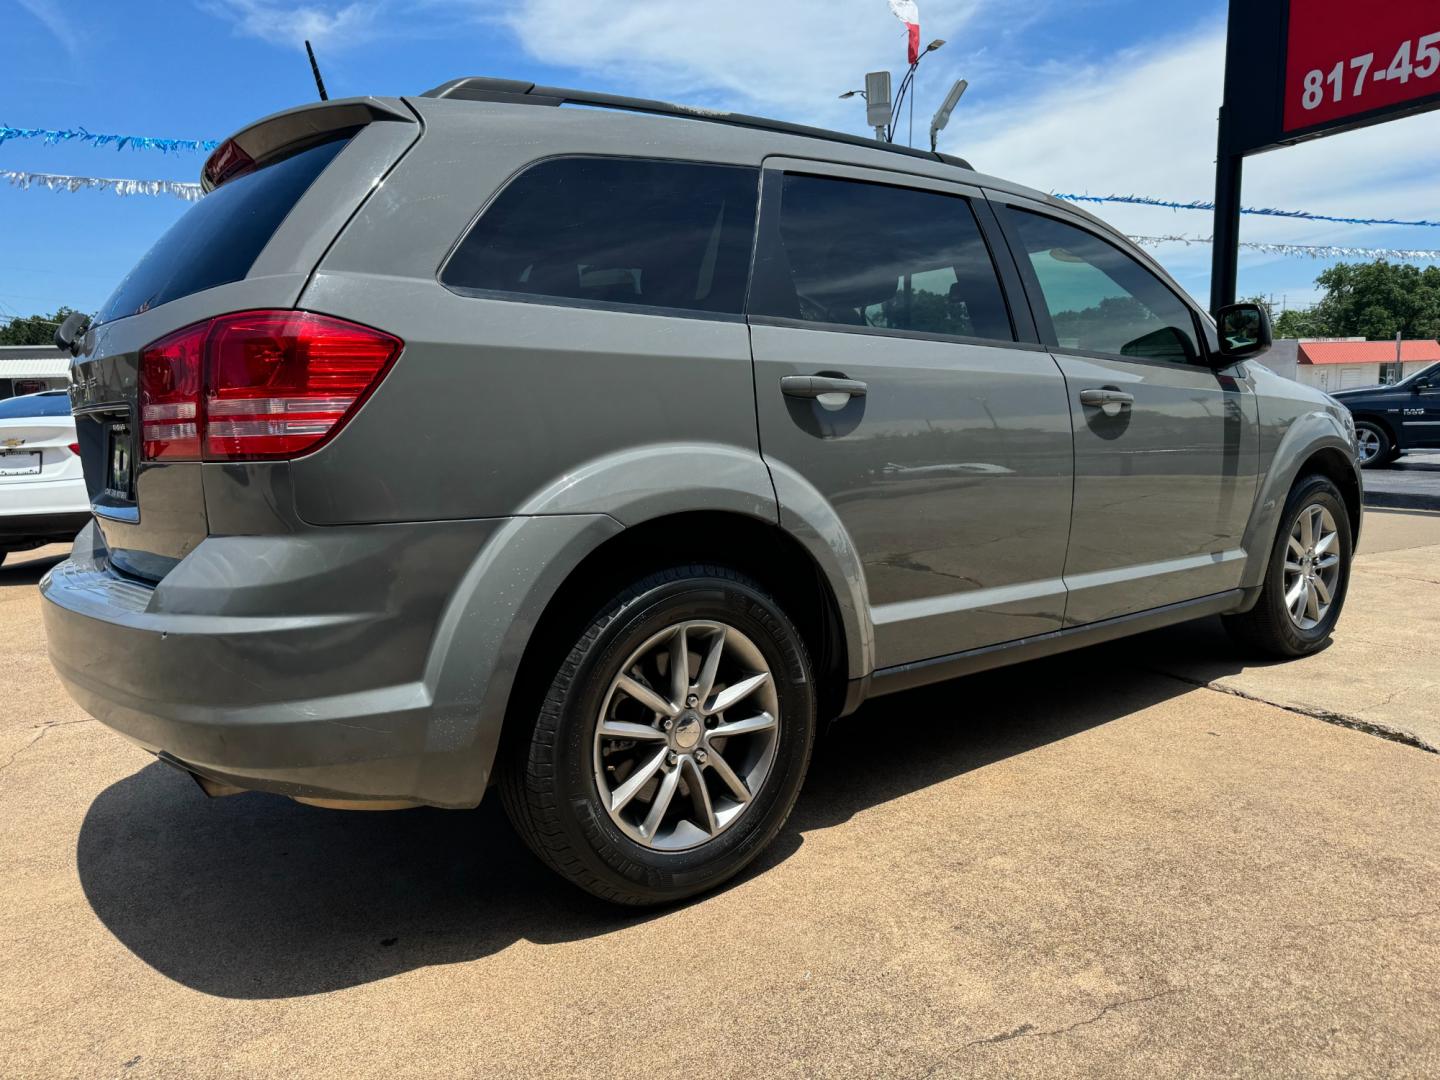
(1108, 96)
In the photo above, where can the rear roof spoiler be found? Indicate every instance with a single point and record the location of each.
(284, 133)
(516, 91)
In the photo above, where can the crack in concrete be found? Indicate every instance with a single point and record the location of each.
(11, 759)
(41, 730)
(64, 723)
(1030, 1031)
(1354, 723)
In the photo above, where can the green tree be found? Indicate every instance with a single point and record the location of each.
(1378, 300)
(33, 329)
(1294, 323)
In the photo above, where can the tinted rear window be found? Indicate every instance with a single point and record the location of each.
(616, 231)
(219, 238)
(35, 405)
(894, 258)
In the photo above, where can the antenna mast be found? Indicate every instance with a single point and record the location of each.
(315, 70)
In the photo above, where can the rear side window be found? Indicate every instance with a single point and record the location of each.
(663, 234)
(861, 254)
(219, 238)
(1099, 299)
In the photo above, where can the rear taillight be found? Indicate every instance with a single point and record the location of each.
(170, 395)
(74, 448)
(257, 385)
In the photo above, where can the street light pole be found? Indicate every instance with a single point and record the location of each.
(906, 86)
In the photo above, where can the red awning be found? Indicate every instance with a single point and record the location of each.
(1368, 352)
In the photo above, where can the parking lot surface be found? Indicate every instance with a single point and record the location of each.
(1127, 861)
(1411, 483)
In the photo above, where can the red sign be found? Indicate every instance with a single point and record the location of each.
(1348, 57)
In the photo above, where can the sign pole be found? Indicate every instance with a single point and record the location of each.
(1304, 69)
(1225, 248)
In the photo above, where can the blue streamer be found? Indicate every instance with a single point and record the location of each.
(1304, 215)
(52, 137)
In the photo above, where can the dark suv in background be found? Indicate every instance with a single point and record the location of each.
(1390, 420)
(601, 453)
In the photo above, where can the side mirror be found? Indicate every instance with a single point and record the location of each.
(68, 334)
(1244, 330)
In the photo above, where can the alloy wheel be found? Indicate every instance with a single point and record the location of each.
(1367, 445)
(1312, 566)
(686, 735)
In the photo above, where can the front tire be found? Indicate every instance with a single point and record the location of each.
(645, 782)
(1306, 579)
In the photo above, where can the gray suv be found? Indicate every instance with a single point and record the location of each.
(600, 454)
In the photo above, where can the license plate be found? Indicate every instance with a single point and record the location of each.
(19, 463)
(119, 476)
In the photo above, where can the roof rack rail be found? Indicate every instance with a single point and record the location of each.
(482, 88)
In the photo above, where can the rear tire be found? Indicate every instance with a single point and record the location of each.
(610, 716)
(1284, 623)
(1377, 448)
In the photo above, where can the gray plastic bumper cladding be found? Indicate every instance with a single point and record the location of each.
(329, 699)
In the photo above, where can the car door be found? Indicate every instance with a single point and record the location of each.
(892, 384)
(1422, 411)
(1166, 444)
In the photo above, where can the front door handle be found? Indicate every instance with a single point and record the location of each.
(1108, 400)
(814, 386)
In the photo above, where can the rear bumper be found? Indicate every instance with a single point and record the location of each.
(330, 700)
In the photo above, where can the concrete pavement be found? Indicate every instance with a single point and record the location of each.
(1379, 672)
(1082, 867)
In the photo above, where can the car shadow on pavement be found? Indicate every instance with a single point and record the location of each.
(22, 569)
(253, 896)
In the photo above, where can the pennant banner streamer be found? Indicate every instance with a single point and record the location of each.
(135, 142)
(55, 182)
(1312, 251)
(1303, 215)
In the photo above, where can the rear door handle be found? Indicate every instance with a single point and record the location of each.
(814, 386)
(1108, 400)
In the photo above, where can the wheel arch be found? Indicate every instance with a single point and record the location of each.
(1337, 467)
(760, 549)
(1313, 442)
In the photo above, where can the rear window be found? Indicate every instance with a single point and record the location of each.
(663, 234)
(219, 238)
(55, 404)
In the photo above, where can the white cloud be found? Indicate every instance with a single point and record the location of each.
(337, 26)
(47, 13)
(1144, 122)
(782, 57)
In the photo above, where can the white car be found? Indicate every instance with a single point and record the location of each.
(43, 499)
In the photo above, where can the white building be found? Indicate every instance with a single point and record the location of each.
(1346, 363)
(28, 369)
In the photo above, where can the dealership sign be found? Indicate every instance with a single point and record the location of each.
(1303, 69)
(1297, 69)
(1338, 69)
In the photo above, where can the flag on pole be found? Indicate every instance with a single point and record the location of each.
(909, 14)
